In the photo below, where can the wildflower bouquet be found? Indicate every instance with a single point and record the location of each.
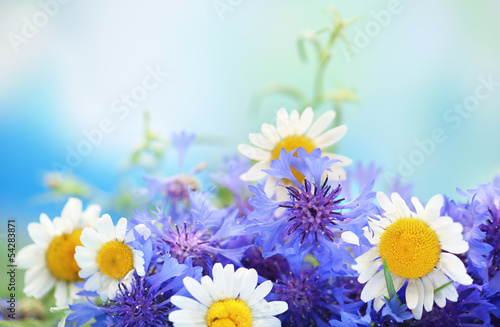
(291, 233)
(308, 242)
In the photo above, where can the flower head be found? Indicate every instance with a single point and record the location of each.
(293, 132)
(484, 214)
(203, 234)
(50, 260)
(315, 213)
(105, 259)
(419, 248)
(230, 299)
(312, 293)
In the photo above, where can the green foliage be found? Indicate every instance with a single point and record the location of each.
(322, 43)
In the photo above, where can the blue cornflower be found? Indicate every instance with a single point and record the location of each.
(471, 218)
(203, 234)
(312, 293)
(359, 176)
(175, 188)
(229, 179)
(482, 215)
(144, 302)
(315, 213)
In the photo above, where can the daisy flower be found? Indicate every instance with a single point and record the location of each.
(419, 249)
(105, 259)
(50, 260)
(293, 132)
(230, 299)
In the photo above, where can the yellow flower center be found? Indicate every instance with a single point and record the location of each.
(115, 259)
(291, 143)
(229, 313)
(410, 247)
(60, 256)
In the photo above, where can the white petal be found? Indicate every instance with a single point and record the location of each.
(105, 228)
(261, 141)
(330, 137)
(121, 229)
(418, 207)
(283, 123)
(187, 303)
(370, 270)
(93, 283)
(265, 309)
(255, 172)
(197, 291)
(428, 293)
(240, 277)
(90, 215)
(254, 153)
(412, 294)
(350, 237)
(29, 256)
(384, 202)
(294, 122)
(40, 285)
(72, 210)
(268, 322)
(433, 207)
(305, 121)
(249, 285)
(344, 161)
(91, 239)
(61, 293)
(374, 288)
(188, 316)
(38, 234)
(271, 133)
(260, 292)
(321, 124)
(229, 280)
(400, 205)
(417, 311)
(452, 266)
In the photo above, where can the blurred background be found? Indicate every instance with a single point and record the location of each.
(414, 70)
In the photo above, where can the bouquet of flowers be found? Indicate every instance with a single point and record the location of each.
(304, 241)
(292, 233)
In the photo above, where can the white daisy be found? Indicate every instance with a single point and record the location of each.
(419, 249)
(50, 260)
(292, 132)
(231, 299)
(105, 259)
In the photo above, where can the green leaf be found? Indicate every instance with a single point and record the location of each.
(442, 286)
(388, 280)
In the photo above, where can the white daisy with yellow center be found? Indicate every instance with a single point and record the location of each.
(419, 248)
(105, 259)
(231, 299)
(293, 132)
(50, 260)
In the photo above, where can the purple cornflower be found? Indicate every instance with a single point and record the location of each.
(202, 234)
(481, 218)
(311, 293)
(315, 214)
(145, 301)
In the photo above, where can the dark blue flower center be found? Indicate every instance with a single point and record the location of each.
(313, 209)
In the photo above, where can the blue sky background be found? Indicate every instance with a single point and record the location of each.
(428, 58)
